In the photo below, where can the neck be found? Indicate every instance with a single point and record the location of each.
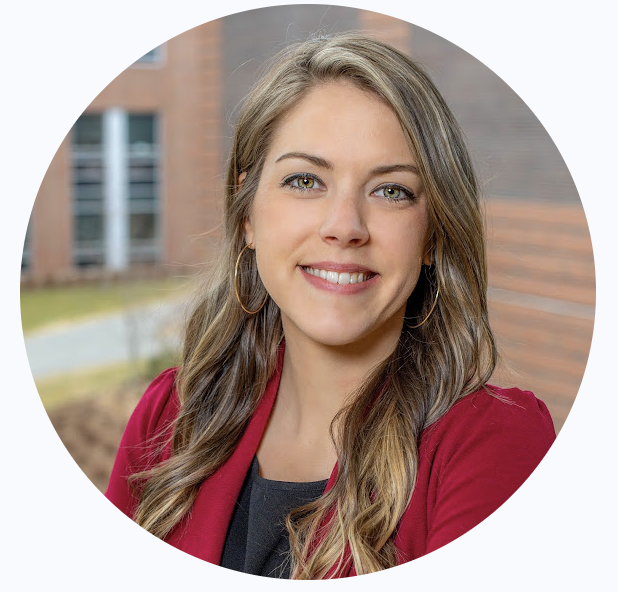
(316, 383)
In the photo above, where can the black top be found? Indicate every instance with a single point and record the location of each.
(257, 540)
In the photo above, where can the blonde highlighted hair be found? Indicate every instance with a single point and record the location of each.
(229, 356)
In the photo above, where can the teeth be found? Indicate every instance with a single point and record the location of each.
(333, 277)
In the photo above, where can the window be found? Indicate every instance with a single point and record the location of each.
(115, 189)
(143, 208)
(88, 179)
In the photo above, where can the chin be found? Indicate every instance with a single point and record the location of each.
(335, 334)
(336, 340)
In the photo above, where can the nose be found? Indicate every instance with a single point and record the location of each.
(343, 223)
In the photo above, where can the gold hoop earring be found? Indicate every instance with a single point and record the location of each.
(429, 314)
(251, 312)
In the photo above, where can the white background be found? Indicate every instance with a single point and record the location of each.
(557, 532)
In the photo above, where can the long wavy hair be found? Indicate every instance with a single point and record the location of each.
(229, 356)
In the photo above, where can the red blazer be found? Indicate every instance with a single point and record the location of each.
(470, 462)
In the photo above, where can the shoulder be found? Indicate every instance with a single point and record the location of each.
(495, 423)
(158, 405)
(151, 422)
(145, 438)
(471, 461)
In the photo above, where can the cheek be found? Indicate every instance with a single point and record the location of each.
(278, 235)
(269, 217)
(280, 225)
(418, 234)
(406, 240)
(404, 244)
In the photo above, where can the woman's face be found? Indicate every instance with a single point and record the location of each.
(339, 220)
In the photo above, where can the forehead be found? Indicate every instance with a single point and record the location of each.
(339, 118)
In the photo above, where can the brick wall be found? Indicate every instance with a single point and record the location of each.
(192, 168)
(542, 296)
(52, 222)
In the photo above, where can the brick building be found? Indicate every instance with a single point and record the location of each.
(137, 182)
(138, 178)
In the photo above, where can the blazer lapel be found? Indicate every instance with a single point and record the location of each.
(202, 534)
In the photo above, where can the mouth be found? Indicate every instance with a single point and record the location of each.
(347, 274)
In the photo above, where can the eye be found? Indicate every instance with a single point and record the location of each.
(302, 182)
(394, 192)
(305, 182)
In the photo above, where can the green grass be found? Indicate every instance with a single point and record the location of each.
(41, 307)
(58, 390)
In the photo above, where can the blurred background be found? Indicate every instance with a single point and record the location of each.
(129, 212)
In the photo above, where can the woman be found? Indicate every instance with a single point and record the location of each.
(346, 326)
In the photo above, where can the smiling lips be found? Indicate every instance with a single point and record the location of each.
(343, 278)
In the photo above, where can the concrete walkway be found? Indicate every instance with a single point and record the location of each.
(146, 331)
(131, 334)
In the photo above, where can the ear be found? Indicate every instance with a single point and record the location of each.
(248, 231)
(248, 225)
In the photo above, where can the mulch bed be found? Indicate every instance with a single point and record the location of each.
(91, 429)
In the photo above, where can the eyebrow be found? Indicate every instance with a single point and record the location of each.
(316, 160)
(323, 163)
(394, 168)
